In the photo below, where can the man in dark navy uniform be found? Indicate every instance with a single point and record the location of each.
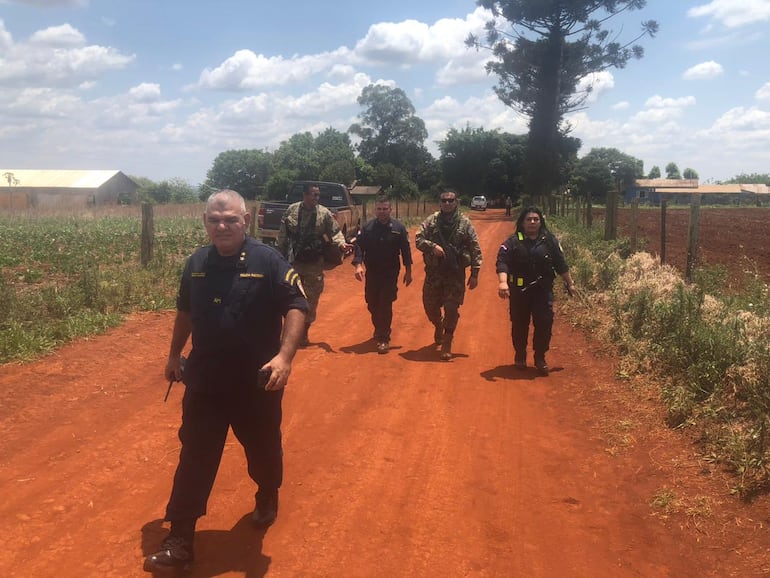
(245, 309)
(379, 245)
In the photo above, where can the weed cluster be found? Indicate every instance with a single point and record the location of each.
(707, 349)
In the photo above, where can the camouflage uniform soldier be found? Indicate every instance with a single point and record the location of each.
(305, 228)
(449, 245)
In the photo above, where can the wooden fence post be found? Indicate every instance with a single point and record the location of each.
(253, 223)
(692, 237)
(663, 206)
(634, 224)
(148, 234)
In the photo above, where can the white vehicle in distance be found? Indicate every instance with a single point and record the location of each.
(479, 202)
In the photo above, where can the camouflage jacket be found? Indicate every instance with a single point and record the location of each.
(463, 238)
(298, 240)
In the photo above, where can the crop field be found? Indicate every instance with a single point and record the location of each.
(735, 239)
(72, 275)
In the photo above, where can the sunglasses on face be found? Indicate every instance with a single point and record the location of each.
(448, 200)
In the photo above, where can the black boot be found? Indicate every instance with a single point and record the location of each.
(266, 510)
(176, 551)
(446, 347)
(540, 364)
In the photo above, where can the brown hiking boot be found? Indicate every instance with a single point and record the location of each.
(446, 347)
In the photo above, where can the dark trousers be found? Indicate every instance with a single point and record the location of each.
(255, 416)
(538, 306)
(380, 292)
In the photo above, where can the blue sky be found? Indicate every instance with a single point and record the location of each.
(159, 88)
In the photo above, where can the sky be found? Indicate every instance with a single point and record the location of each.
(158, 88)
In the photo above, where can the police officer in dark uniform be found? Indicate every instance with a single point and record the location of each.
(378, 246)
(242, 304)
(527, 264)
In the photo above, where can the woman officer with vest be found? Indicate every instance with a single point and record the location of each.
(527, 264)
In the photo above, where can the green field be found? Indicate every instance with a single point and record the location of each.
(75, 275)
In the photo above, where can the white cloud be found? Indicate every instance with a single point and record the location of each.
(595, 84)
(57, 37)
(657, 102)
(704, 71)
(743, 120)
(246, 70)
(622, 105)
(6, 40)
(55, 56)
(733, 13)
(145, 92)
(763, 93)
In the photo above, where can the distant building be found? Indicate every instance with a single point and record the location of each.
(680, 191)
(25, 189)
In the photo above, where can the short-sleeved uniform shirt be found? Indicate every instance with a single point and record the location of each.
(237, 305)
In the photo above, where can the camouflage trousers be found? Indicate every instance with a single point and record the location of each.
(312, 277)
(447, 291)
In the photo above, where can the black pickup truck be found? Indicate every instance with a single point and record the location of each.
(334, 196)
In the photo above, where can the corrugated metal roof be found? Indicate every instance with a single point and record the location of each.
(672, 183)
(702, 190)
(715, 189)
(70, 179)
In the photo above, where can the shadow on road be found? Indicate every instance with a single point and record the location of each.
(428, 353)
(509, 372)
(217, 552)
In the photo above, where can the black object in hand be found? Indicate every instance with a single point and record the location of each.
(263, 376)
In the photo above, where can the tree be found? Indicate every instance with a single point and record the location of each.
(689, 173)
(336, 157)
(753, 178)
(654, 172)
(245, 171)
(479, 162)
(327, 157)
(542, 52)
(672, 171)
(395, 182)
(604, 170)
(390, 132)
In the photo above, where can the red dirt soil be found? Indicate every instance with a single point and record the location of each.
(736, 238)
(396, 465)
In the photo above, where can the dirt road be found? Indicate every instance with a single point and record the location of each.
(397, 465)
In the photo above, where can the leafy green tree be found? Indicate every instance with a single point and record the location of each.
(490, 163)
(672, 171)
(542, 50)
(245, 171)
(654, 172)
(390, 132)
(336, 157)
(753, 178)
(604, 170)
(395, 182)
(278, 184)
(689, 173)
(298, 156)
